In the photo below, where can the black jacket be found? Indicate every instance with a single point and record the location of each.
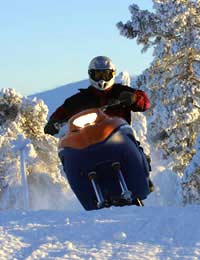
(93, 98)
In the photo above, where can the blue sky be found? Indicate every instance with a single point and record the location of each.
(46, 44)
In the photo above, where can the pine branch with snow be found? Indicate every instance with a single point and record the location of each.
(191, 178)
(123, 78)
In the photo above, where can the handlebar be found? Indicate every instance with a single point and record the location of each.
(124, 100)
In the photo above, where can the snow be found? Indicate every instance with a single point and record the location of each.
(117, 233)
(57, 227)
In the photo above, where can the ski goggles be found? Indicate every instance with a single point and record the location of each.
(97, 75)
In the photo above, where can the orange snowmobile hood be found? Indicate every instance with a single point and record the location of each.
(98, 131)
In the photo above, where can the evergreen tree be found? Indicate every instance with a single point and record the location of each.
(174, 75)
(123, 78)
(191, 178)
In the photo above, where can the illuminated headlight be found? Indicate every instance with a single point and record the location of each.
(84, 120)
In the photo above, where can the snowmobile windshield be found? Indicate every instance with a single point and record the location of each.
(85, 120)
(105, 75)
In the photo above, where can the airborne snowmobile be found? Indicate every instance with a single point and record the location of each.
(103, 162)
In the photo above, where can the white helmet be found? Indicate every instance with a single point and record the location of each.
(101, 72)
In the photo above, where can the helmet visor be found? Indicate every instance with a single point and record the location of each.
(105, 75)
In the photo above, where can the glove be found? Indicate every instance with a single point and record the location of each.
(140, 100)
(51, 128)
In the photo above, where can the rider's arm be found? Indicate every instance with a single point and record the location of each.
(135, 98)
(71, 106)
(52, 125)
(60, 115)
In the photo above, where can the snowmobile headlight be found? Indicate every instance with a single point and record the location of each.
(85, 120)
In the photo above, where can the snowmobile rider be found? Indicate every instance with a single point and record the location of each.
(102, 91)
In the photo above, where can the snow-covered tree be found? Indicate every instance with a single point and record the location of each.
(191, 178)
(174, 75)
(21, 115)
(123, 78)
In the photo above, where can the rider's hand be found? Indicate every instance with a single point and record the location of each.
(140, 100)
(51, 128)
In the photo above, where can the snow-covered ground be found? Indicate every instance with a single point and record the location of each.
(161, 230)
(117, 233)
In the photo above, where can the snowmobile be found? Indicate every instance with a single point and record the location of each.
(102, 160)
